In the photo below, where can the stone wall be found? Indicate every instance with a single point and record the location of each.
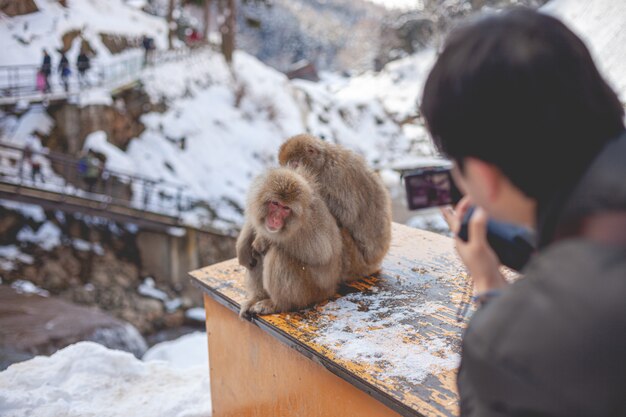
(74, 123)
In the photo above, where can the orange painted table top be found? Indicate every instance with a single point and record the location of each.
(394, 335)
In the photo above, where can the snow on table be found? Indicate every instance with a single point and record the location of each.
(395, 333)
(87, 379)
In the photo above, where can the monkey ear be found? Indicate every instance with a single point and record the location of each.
(312, 151)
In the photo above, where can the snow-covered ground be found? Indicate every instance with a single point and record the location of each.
(87, 379)
(24, 37)
(602, 25)
(188, 351)
(400, 4)
(224, 124)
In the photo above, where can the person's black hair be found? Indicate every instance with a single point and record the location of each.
(520, 90)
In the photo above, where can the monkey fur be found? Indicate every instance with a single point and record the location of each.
(354, 194)
(297, 264)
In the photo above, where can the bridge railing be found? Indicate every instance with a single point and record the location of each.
(21, 80)
(56, 172)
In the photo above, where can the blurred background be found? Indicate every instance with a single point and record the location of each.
(127, 147)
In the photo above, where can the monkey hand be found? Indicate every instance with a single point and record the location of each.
(247, 256)
(244, 310)
(260, 245)
(262, 307)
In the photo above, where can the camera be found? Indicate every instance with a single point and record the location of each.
(430, 187)
(434, 186)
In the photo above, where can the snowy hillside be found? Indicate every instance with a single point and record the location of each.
(400, 4)
(602, 25)
(23, 37)
(222, 126)
(231, 124)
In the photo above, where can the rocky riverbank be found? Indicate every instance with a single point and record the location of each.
(94, 262)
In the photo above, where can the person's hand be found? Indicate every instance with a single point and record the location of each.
(480, 260)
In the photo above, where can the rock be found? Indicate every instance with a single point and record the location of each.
(82, 295)
(33, 325)
(10, 223)
(111, 298)
(53, 276)
(149, 307)
(18, 7)
(175, 319)
(109, 277)
(29, 273)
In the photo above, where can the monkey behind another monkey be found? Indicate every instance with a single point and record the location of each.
(354, 194)
(290, 244)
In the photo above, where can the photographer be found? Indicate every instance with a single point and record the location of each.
(537, 137)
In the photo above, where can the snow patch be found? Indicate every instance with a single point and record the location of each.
(403, 5)
(188, 351)
(352, 336)
(88, 379)
(148, 289)
(12, 253)
(47, 236)
(31, 211)
(431, 220)
(22, 286)
(116, 159)
(84, 246)
(196, 314)
(600, 23)
(24, 37)
(95, 96)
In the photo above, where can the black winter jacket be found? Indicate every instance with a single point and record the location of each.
(554, 343)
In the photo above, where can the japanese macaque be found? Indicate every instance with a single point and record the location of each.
(291, 244)
(354, 194)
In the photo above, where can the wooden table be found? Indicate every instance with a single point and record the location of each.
(385, 346)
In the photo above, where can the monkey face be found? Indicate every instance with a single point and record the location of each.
(277, 215)
(277, 203)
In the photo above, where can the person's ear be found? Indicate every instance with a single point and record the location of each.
(485, 176)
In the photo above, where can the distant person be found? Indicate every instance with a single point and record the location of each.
(193, 38)
(35, 171)
(64, 71)
(148, 45)
(29, 157)
(82, 65)
(41, 81)
(46, 70)
(90, 168)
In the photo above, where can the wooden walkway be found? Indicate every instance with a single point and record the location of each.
(394, 337)
(97, 207)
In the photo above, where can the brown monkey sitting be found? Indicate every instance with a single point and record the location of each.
(354, 194)
(295, 259)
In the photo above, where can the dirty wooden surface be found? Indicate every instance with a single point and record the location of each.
(394, 336)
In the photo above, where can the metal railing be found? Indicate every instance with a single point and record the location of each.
(20, 81)
(59, 173)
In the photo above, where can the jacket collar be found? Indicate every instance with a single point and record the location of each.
(601, 188)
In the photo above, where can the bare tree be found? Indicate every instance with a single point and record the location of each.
(207, 19)
(170, 23)
(227, 11)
